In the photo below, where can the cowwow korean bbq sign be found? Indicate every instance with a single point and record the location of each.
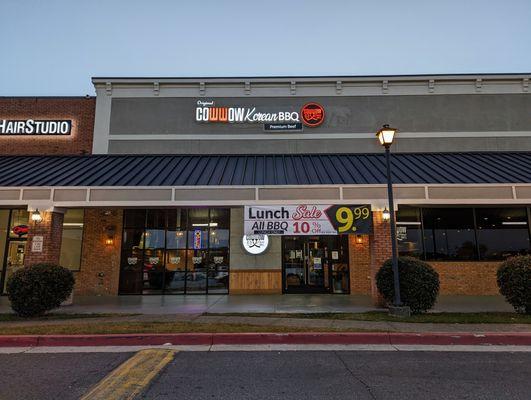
(311, 114)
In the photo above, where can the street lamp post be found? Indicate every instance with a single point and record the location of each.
(386, 136)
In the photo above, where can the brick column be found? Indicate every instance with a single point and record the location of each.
(100, 263)
(380, 245)
(50, 229)
(359, 264)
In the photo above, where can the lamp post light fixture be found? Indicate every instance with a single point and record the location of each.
(386, 136)
(36, 216)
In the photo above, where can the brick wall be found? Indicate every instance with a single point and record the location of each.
(359, 265)
(461, 278)
(51, 230)
(100, 263)
(465, 278)
(80, 110)
(380, 250)
(468, 278)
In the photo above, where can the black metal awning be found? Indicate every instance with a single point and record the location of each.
(251, 170)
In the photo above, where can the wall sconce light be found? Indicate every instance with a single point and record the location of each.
(36, 216)
(386, 215)
(359, 239)
(109, 235)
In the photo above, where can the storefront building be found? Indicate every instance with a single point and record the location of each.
(266, 185)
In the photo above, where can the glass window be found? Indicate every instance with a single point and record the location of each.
(219, 238)
(176, 239)
(18, 228)
(218, 271)
(133, 239)
(154, 271)
(502, 232)
(14, 259)
(198, 218)
(4, 223)
(449, 234)
(220, 218)
(177, 219)
(176, 232)
(175, 251)
(155, 239)
(13, 235)
(131, 262)
(176, 271)
(218, 260)
(198, 239)
(219, 228)
(134, 218)
(409, 232)
(72, 240)
(156, 219)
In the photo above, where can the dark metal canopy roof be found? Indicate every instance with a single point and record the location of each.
(308, 169)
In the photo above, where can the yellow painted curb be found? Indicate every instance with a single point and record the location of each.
(131, 377)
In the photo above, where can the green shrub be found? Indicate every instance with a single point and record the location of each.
(39, 288)
(514, 281)
(419, 283)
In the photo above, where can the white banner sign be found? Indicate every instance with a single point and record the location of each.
(307, 219)
(300, 219)
(37, 244)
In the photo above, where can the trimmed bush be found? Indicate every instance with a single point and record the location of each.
(39, 288)
(514, 281)
(419, 283)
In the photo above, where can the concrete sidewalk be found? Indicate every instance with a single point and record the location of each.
(304, 303)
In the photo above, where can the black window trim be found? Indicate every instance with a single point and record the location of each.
(163, 291)
(478, 257)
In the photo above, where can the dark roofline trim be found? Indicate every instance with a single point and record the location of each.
(436, 153)
(325, 77)
(48, 97)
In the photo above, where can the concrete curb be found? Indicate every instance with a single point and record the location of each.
(208, 339)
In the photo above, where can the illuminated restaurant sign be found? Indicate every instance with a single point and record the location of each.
(255, 244)
(311, 114)
(35, 127)
(307, 219)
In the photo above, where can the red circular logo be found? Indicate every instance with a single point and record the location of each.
(20, 230)
(312, 114)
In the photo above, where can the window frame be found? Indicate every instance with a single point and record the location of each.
(188, 247)
(82, 241)
(474, 208)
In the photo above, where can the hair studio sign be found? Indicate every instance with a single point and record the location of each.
(35, 127)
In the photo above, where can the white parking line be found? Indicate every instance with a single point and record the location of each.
(264, 347)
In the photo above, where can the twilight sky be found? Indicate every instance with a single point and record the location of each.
(54, 47)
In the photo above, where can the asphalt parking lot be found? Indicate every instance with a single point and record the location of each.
(281, 375)
(344, 375)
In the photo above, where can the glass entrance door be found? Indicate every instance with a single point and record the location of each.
(13, 234)
(315, 264)
(14, 259)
